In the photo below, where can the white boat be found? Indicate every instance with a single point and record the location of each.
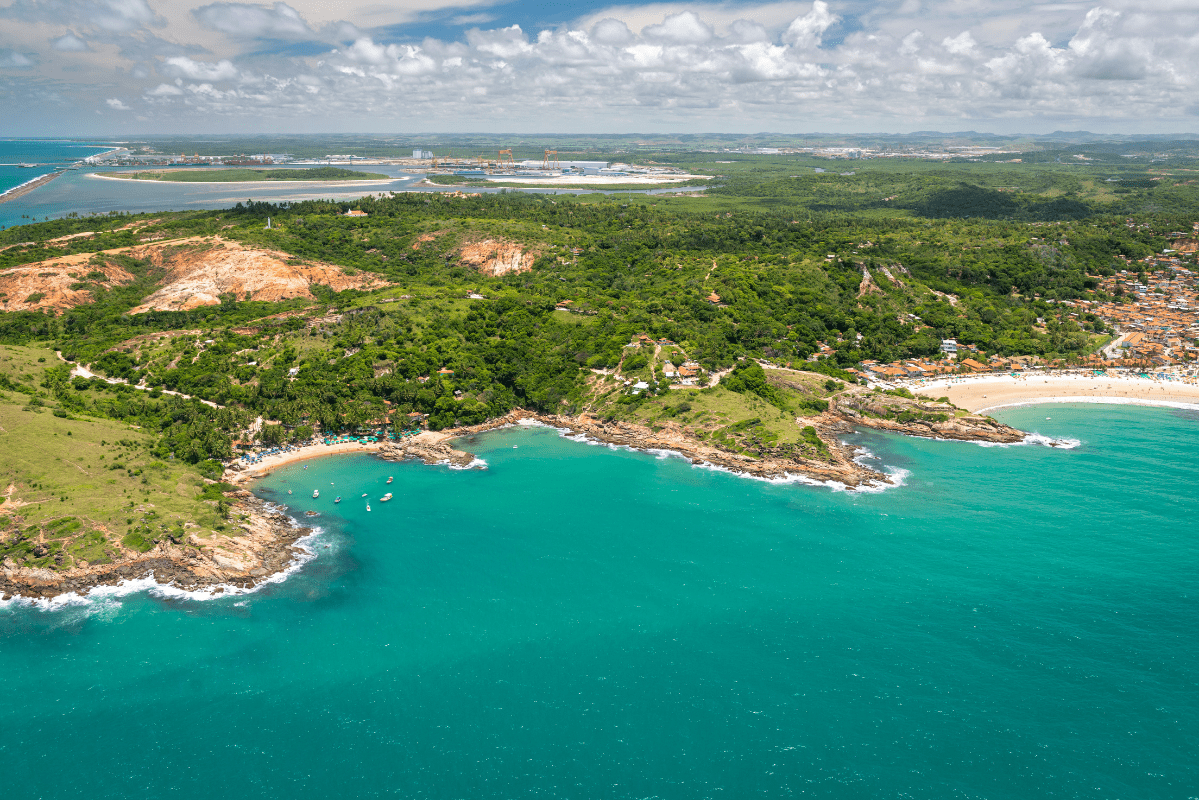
(386, 497)
(368, 506)
(389, 480)
(316, 493)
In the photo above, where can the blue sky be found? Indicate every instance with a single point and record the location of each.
(85, 67)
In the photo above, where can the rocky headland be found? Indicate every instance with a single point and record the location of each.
(263, 545)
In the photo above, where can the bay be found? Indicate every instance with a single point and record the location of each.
(578, 621)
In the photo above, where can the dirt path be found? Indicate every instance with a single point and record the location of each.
(79, 370)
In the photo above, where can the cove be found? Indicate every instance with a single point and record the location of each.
(578, 621)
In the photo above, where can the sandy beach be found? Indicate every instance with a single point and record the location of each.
(988, 392)
(272, 463)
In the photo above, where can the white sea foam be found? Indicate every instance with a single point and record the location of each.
(1059, 443)
(1116, 401)
(476, 463)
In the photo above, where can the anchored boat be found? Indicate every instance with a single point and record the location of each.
(386, 497)
(316, 493)
(337, 499)
(389, 480)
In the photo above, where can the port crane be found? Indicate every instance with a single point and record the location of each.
(509, 161)
(550, 160)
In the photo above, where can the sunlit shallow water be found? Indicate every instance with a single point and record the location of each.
(577, 621)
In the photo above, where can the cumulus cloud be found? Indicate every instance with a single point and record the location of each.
(242, 20)
(700, 66)
(682, 28)
(185, 67)
(806, 31)
(69, 43)
(116, 104)
(165, 90)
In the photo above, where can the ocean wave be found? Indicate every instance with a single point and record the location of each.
(1059, 443)
(476, 463)
(1115, 401)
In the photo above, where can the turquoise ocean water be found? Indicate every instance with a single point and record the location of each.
(44, 155)
(580, 622)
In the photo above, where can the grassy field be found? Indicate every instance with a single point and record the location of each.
(239, 174)
(84, 489)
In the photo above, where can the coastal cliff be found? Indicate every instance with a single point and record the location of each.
(263, 545)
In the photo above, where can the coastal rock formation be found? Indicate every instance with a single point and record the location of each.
(264, 545)
(916, 417)
(429, 448)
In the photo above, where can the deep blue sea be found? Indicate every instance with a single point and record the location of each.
(582, 622)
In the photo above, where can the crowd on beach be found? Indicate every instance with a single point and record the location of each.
(258, 457)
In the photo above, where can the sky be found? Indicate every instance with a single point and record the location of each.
(112, 67)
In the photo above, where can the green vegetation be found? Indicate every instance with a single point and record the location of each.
(240, 174)
(774, 262)
(77, 483)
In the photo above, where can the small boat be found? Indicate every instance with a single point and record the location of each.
(289, 491)
(364, 494)
(316, 493)
(337, 499)
(389, 480)
(514, 447)
(368, 506)
(386, 497)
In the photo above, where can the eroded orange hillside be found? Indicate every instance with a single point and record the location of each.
(48, 284)
(199, 270)
(195, 272)
(496, 257)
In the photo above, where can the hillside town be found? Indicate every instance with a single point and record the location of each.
(1152, 312)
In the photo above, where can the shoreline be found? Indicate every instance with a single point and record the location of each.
(267, 550)
(980, 393)
(267, 547)
(28, 186)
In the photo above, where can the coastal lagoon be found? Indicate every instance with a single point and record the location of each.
(86, 191)
(582, 621)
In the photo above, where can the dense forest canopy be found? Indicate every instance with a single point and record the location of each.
(880, 264)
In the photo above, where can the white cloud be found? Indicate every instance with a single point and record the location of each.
(959, 45)
(682, 28)
(69, 43)
(806, 31)
(185, 67)
(700, 66)
(116, 104)
(12, 59)
(242, 20)
(165, 90)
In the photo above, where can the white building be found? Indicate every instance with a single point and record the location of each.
(949, 347)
